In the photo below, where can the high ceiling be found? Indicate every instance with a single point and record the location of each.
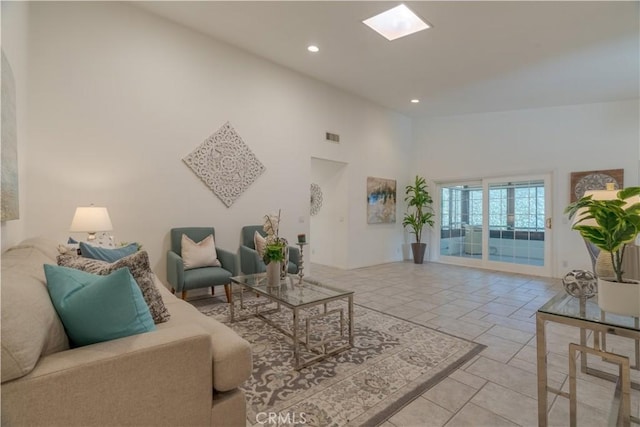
(478, 57)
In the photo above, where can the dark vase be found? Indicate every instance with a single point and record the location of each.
(418, 250)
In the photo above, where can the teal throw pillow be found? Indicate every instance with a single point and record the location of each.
(97, 308)
(107, 254)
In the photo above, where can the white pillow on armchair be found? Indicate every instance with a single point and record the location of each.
(201, 254)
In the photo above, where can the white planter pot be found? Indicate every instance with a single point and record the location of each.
(619, 298)
(273, 273)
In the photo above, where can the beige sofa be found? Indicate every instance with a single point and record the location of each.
(187, 372)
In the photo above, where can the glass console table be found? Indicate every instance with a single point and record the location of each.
(586, 315)
(298, 294)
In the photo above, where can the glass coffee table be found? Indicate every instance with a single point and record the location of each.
(299, 295)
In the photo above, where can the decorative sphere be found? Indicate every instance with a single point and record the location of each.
(580, 283)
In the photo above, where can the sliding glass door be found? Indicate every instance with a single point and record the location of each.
(461, 214)
(497, 223)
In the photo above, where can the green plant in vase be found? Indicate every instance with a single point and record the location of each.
(275, 247)
(273, 253)
(611, 223)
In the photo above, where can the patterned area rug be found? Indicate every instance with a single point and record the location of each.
(392, 362)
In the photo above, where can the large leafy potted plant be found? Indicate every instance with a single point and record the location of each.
(419, 213)
(611, 225)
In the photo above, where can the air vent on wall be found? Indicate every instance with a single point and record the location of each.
(333, 137)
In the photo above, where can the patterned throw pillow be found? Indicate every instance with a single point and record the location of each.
(138, 264)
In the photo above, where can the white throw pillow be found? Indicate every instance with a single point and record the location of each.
(260, 243)
(201, 254)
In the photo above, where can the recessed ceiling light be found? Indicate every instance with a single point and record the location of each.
(397, 22)
(313, 48)
(415, 101)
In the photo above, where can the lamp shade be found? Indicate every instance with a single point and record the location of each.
(601, 195)
(91, 219)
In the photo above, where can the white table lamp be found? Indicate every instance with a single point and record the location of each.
(91, 219)
(609, 194)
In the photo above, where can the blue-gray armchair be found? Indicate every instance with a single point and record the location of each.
(182, 280)
(250, 261)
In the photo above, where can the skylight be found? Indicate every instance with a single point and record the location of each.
(397, 22)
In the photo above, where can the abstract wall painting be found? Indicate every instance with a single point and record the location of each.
(595, 180)
(381, 200)
(9, 188)
(225, 164)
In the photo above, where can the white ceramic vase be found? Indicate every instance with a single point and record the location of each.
(273, 273)
(619, 298)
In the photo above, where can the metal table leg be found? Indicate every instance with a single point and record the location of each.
(296, 343)
(351, 320)
(231, 306)
(541, 355)
(623, 414)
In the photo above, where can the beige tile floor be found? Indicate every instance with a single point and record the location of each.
(499, 386)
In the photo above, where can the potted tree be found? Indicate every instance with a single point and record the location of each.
(419, 213)
(611, 225)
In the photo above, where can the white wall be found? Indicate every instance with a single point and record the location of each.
(559, 140)
(118, 97)
(383, 150)
(14, 44)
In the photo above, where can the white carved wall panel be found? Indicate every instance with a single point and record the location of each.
(225, 164)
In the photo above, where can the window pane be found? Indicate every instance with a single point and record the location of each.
(529, 206)
(446, 217)
(461, 206)
(475, 207)
(516, 219)
(497, 208)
